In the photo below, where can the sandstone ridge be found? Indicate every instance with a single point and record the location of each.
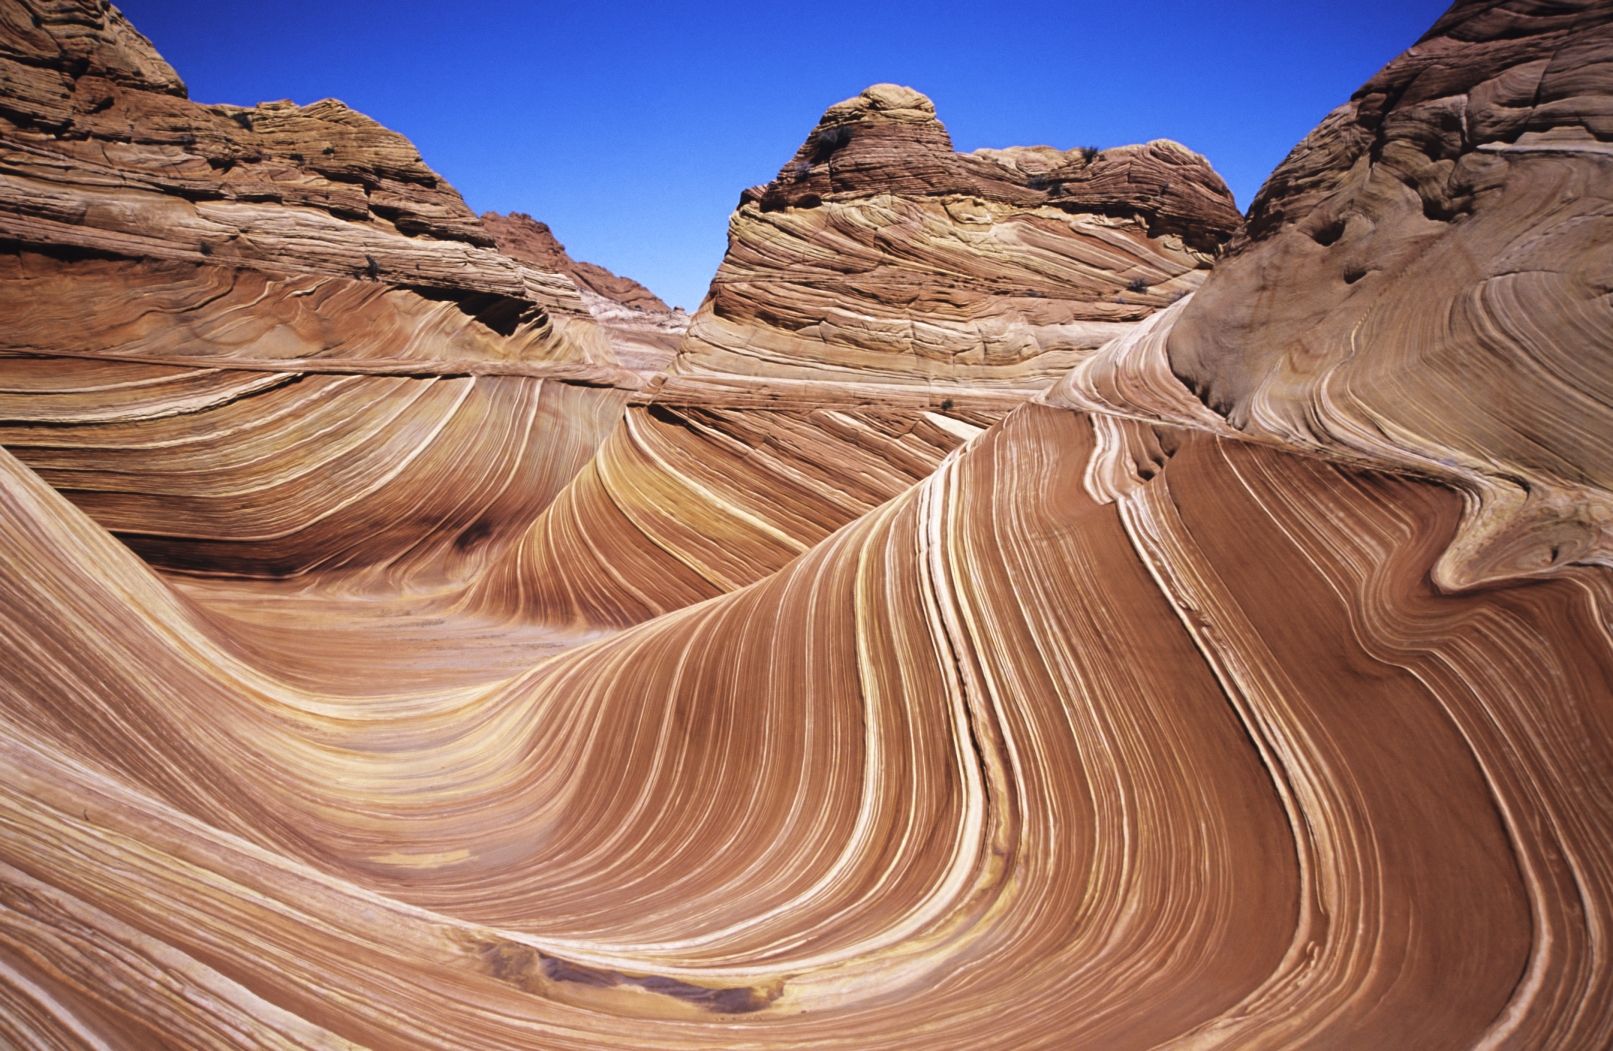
(879, 253)
(107, 157)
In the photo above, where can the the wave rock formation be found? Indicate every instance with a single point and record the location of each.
(1032, 606)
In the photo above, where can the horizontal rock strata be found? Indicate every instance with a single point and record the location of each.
(879, 254)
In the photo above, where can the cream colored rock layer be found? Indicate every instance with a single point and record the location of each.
(1425, 285)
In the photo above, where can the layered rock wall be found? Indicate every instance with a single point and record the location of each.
(879, 254)
(1424, 283)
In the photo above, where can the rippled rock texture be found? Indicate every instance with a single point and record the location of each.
(880, 255)
(376, 677)
(105, 157)
(254, 340)
(1425, 282)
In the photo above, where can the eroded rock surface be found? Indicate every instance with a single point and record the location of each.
(255, 340)
(442, 690)
(522, 237)
(1444, 243)
(879, 254)
(102, 155)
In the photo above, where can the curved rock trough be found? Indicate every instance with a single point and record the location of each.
(1028, 604)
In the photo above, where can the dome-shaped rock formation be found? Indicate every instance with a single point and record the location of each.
(880, 254)
(1424, 283)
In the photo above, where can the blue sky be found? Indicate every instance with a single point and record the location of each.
(632, 128)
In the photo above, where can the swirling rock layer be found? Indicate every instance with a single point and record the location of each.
(879, 254)
(1443, 244)
(1005, 804)
(682, 504)
(378, 673)
(254, 340)
(226, 420)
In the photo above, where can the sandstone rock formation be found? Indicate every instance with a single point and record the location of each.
(1442, 244)
(105, 156)
(252, 339)
(879, 254)
(522, 237)
(644, 331)
(769, 485)
(826, 709)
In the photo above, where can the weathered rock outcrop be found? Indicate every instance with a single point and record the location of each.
(1425, 283)
(644, 331)
(522, 237)
(255, 340)
(102, 155)
(827, 713)
(879, 254)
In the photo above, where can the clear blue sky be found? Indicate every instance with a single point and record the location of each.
(632, 128)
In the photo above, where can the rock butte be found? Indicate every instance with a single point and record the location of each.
(1029, 607)
(878, 254)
